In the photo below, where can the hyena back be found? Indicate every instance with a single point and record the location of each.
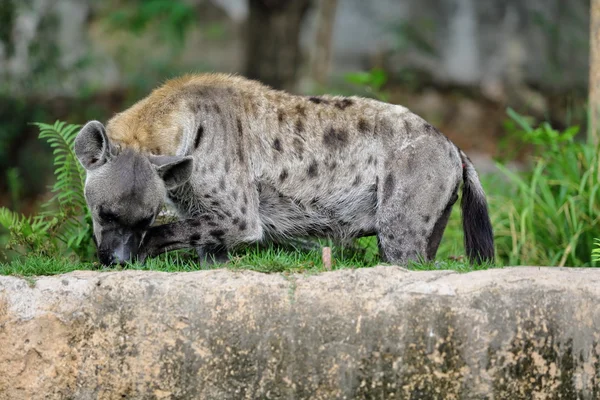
(242, 163)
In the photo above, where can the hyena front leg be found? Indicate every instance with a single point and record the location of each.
(207, 231)
(415, 198)
(212, 255)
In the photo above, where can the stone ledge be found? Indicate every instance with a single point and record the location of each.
(382, 332)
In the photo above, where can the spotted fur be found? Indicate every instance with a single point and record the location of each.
(270, 165)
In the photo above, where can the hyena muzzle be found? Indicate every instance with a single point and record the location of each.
(242, 163)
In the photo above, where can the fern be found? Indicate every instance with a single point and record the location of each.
(31, 234)
(68, 189)
(69, 173)
(596, 250)
(65, 223)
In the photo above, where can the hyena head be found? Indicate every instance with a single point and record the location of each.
(124, 191)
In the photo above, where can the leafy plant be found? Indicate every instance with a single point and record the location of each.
(64, 225)
(372, 81)
(596, 251)
(550, 215)
(543, 137)
(28, 234)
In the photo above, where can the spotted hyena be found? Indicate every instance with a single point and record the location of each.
(243, 163)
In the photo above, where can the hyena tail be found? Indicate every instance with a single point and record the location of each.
(477, 227)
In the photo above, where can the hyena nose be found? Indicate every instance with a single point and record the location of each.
(112, 257)
(106, 258)
(121, 255)
(119, 249)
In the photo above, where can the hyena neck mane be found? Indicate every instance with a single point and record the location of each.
(166, 122)
(186, 113)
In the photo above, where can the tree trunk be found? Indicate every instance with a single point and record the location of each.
(594, 93)
(321, 57)
(273, 47)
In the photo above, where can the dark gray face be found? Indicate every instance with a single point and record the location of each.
(124, 191)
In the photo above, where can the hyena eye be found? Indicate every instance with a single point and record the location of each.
(107, 216)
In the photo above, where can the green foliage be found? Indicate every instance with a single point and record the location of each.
(70, 176)
(549, 215)
(543, 137)
(29, 234)
(171, 19)
(372, 81)
(15, 186)
(596, 251)
(64, 225)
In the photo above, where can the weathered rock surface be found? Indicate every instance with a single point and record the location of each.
(514, 333)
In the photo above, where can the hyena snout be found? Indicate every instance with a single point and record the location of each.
(119, 247)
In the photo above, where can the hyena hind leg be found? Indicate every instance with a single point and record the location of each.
(413, 211)
(440, 226)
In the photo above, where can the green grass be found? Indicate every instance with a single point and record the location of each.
(551, 214)
(38, 265)
(266, 259)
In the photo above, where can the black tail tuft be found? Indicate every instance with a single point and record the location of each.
(477, 227)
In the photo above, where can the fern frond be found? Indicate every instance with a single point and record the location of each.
(596, 251)
(28, 234)
(70, 176)
(65, 222)
(8, 218)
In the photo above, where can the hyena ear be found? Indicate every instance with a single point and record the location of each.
(92, 147)
(174, 171)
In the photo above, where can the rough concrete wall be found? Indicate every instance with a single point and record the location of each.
(515, 333)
